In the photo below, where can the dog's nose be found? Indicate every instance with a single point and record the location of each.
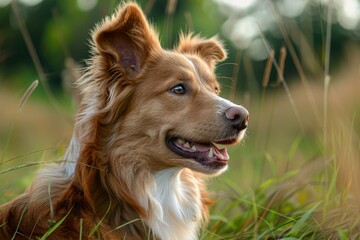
(238, 116)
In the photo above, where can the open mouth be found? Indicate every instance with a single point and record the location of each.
(207, 154)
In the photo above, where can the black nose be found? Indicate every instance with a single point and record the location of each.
(238, 116)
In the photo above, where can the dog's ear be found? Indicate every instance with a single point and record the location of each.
(210, 50)
(126, 39)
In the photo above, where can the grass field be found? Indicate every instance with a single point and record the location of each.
(296, 176)
(283, 182)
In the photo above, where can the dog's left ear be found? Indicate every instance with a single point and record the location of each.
(210, 50)
(126, 39)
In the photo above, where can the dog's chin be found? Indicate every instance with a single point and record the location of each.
(209, 158)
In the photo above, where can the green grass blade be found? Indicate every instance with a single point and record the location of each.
(96, 227)
(302, 221)
(271, 230)
(17, 227)
(53, 228)
(224, 220)
(123, 225)
(342, 235)
(81, 229)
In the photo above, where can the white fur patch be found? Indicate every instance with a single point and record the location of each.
(175, 207)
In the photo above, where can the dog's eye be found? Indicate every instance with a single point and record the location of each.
(178, 89)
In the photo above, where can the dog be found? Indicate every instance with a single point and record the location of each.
(143, 142)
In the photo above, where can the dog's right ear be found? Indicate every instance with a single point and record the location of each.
(210, 50)
(126, 39)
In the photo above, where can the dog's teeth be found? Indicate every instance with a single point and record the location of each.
(211, 153)
(193, 148)
(187, 145)
(180, 140)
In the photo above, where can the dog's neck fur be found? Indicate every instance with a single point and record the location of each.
(175, 205)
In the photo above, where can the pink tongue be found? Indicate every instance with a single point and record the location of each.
(221, 153)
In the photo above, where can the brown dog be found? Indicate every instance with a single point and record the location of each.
(142, 144)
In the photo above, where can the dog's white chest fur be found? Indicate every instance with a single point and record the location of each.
(175, 206)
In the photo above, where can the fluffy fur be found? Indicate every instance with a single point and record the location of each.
(142, 143)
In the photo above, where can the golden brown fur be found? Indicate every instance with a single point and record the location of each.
(128, 172)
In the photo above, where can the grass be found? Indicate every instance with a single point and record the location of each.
(295, 177)
(278, 185)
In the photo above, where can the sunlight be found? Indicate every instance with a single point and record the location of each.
(4, 3)
(349, 14)
(257, 50)
(241, 31)
(290, 8)
(30, 2)
(86, 5)
(238, 4)
(244, 17)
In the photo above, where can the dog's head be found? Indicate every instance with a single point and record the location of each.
(160, 106)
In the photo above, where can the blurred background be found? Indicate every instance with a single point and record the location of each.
(302, 90)
(60, 30)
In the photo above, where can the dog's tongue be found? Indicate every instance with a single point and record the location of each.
(209, 149)
(221, 154)
(212, 151)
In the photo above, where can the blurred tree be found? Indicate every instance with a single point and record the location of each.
(60, 30)
(299, 24)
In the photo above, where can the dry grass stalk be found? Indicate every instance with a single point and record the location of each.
(250, 76)
(189, 21)
(34, 56)
(70, 75)
(170, 10)
(27, 94)
(287, 90)
(268, 67)
(282, 59)
(171, 7)
(326, 70)
(294, 57)
(149, 6)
